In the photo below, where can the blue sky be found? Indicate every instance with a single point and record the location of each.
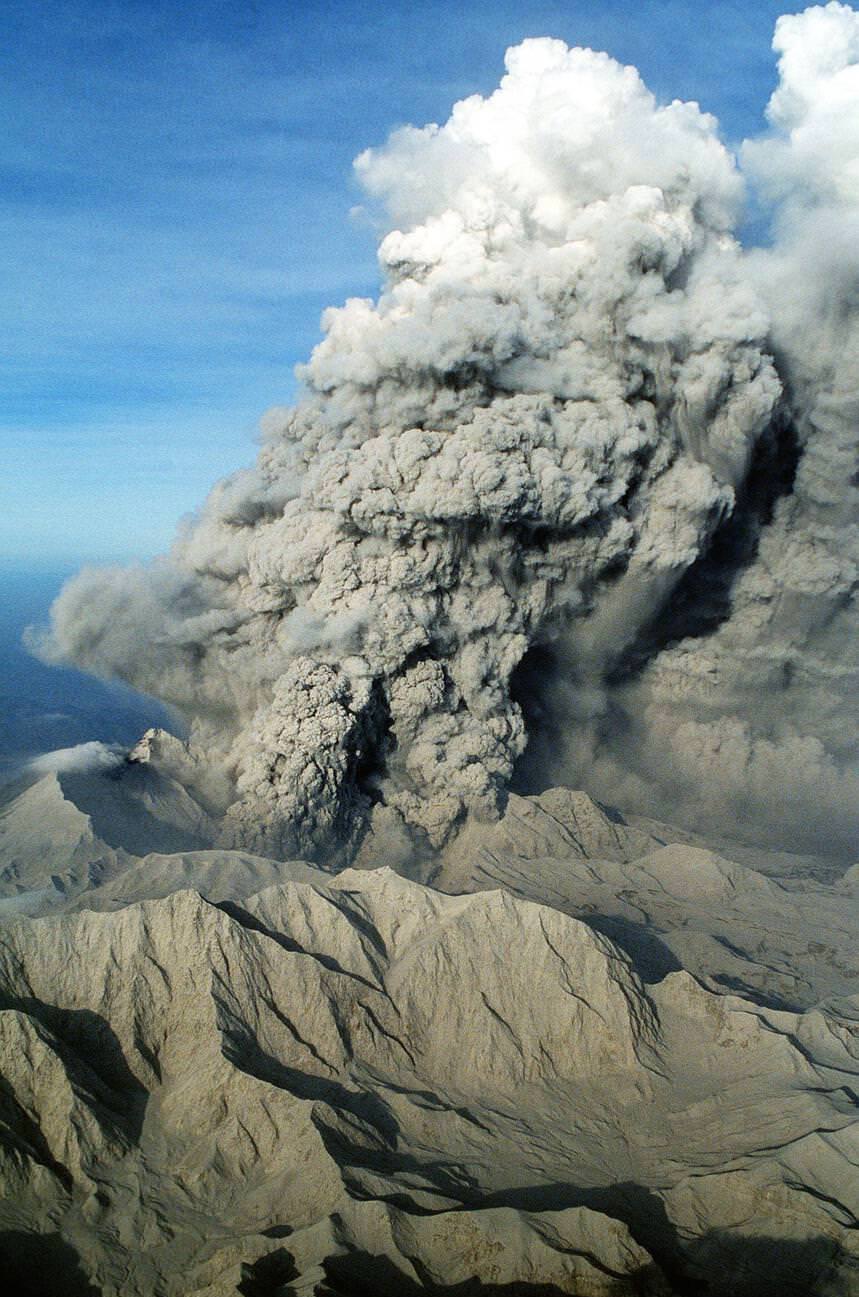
(175, 199)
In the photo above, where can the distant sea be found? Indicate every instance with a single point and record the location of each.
(44, 707)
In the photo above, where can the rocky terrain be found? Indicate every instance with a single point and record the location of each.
(317, 1000)
(593, 1057)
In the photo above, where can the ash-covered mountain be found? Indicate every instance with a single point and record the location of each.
(594, 1057)
(349, 993)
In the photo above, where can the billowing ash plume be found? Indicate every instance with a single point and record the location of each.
(756, 723)
(560, 411)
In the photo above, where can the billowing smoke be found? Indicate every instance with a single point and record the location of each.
(748, 720)
(583, 457)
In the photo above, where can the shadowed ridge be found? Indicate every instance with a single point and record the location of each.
(42, 1265)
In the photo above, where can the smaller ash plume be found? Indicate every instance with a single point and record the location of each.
(84, 758)
(523, 447)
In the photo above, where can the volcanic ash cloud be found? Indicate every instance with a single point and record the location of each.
(542, 421)
(756, 722)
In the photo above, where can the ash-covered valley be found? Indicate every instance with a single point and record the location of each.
(493, 928)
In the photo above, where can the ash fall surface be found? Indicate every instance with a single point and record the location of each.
(478, 912)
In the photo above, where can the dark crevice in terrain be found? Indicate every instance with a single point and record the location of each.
(738, 1267)
(746, 1267)
(97, 1058)
(638, 1207)
(20, 1132)
(253, 924)
(41, 1265)
(364, 1106)
(651, 958)
(267, 1276)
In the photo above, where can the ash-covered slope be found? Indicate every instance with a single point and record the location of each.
(578, 491)
(85, 821)
(142, 827)
(356, 1080)
(373, 1082)
(788, 940)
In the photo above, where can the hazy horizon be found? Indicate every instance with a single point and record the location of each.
(43, 707)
